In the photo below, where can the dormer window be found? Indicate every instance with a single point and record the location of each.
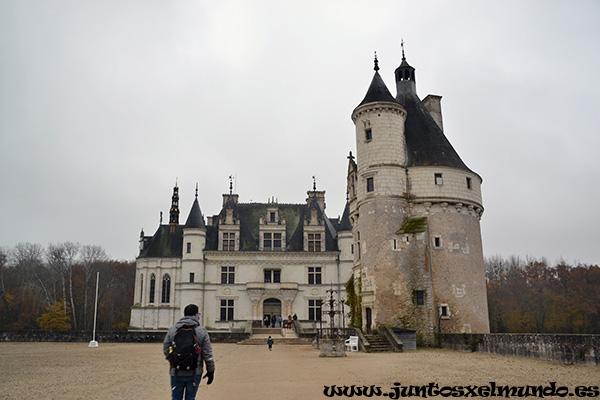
(314, 242)
(272, 217)
(272, 241)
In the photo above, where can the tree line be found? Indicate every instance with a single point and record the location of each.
(531, 296)
(54, 288)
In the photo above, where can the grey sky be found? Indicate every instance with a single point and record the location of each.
(104, 104)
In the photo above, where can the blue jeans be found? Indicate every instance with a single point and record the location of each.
(179, 384)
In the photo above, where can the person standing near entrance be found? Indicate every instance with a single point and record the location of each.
(188, 380)
(267, 321)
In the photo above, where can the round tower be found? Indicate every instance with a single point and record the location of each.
(378, 207)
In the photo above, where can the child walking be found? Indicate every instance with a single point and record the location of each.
(270, 343)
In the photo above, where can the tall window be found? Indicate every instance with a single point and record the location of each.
(152, 288)
(468, 183)
(314, 275)
(228, 241)
(314, 310)
(141, 288)
(368, 134)
(314, 242)
(438, 179)
(272, 276)
(166, 289)
(419, 297)
(226, 310)
(271, 217)
(370, 184)
(188, 247)
(192, 277)
(228, 275)
(271, 241)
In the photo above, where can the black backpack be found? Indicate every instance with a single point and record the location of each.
(183, 354)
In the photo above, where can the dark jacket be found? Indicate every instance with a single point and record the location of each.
(202, 339)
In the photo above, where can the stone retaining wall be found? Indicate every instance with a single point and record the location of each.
(114, 336)
(568, 349)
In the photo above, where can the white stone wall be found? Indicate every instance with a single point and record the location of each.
(421, 184)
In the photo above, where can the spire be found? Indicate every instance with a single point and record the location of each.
(345, 224)
(405, 78)
(377, 91)
(174, 211)
(376, 68)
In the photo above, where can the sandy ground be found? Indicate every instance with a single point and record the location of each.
(139, 371)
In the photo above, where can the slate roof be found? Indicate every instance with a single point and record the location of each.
(377, 91)
(164, 243)
(167, 244)
(426, 144)
(195, 219)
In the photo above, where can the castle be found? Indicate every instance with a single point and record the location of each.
(409, 237)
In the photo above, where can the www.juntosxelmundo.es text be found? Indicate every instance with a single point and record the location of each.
(433, 389)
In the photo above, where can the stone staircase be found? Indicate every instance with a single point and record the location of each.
(378, 344)
(280, 336)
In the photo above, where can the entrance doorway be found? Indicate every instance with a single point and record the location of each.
(369, 320)
(271, 309)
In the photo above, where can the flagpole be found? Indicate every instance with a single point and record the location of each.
(94, 343)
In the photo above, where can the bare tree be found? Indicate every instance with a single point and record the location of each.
(28, 258)
(61, 258)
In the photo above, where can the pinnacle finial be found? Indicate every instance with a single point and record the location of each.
(376, 68)
(196, 190)
(314, 184)
(402, 45)
(230, 185)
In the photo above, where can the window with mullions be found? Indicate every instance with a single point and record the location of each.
(272, 276)
(314, 310)
(314, 242)
(226, 310)
(152, 288)
(228, 275)
(166, 289)
(271, 241)
(228, 241)
(314, 275)
(420, 297)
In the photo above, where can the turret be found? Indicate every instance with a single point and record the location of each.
(174, 211)
(380, 144)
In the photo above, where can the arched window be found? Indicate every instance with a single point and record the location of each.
(141, 288)
(152, 288)
(166, 289)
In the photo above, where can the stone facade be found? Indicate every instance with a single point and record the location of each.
(409, 237)
(415, 209)
(237, 270)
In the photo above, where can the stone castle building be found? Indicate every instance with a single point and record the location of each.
(409, 236)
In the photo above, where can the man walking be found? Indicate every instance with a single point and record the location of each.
(188, 379)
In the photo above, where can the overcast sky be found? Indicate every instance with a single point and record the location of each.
(105, 104)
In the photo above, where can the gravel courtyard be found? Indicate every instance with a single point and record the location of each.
(139, 371)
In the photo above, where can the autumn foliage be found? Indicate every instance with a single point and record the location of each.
(533, 297)
(54, 288)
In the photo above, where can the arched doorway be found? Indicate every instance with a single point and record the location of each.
(271, 309)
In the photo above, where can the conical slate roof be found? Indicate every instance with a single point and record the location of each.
(345, 224)
(195, 219)
(377, 91)
(426, 144)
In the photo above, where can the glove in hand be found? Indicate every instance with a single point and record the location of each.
(210, 376)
